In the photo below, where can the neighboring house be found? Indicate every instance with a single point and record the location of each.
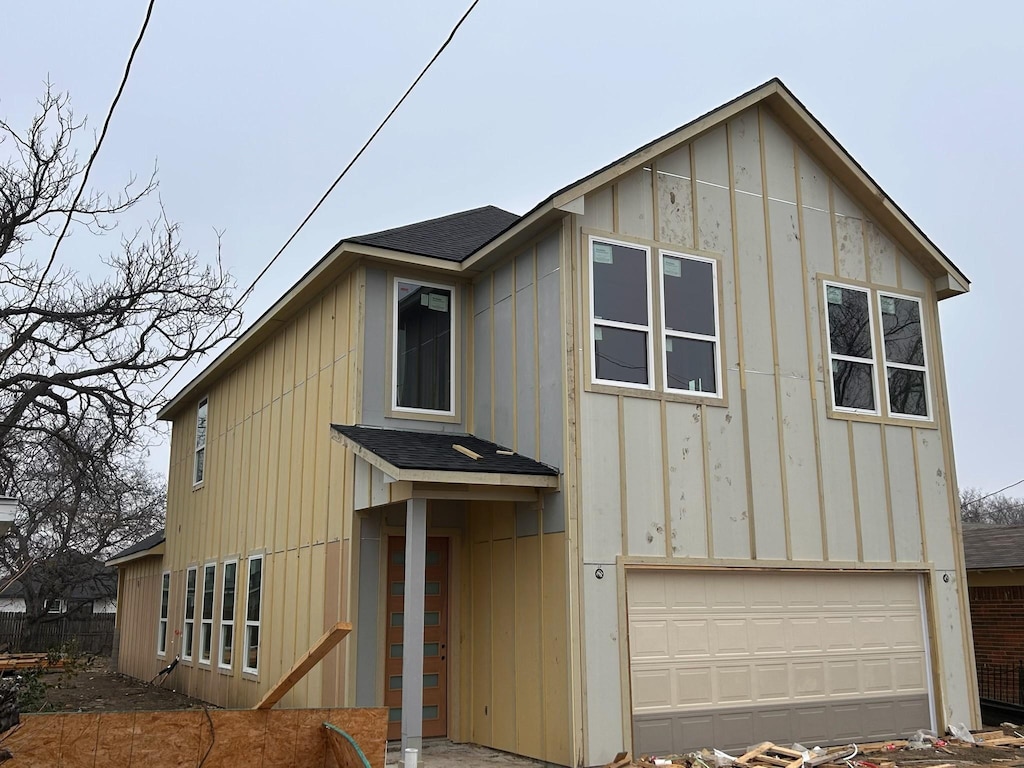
(92, 589)
(995, 577)
(664, 463)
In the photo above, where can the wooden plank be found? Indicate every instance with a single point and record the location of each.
(320, 648)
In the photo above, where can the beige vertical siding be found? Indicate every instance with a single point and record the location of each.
(275, 485)
(138, 613)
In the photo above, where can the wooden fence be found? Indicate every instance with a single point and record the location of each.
(93, 632)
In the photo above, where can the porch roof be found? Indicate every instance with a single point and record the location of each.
(444, 457)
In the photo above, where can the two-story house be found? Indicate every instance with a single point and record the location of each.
(664, 463)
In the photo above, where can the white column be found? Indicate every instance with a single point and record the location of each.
(412, 633)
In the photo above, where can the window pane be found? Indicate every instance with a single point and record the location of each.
(431, 649)
(853, 385)
(689, 295)
(901, 324)
(431, 619)
(398, 558)
(208, 579)
(187, 641)
(395, 682)
(430, 681)
(430, 713)
(397, 588)
(201, 424)
(252, 647)
(162, 636)
(621, 354)
(620, 283)
(252, 610)
(433, 557)
(907, 392)
(849, 324)
(200, 464)
(227, 638)
(432, 588)
(397, 619)
(423, 351)
(690, 364)
(396, 650)
(165, 593)
(227, 611)
(190, 595)
(395, 715)
(205, 641)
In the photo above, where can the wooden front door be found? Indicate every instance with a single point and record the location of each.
(435, 637)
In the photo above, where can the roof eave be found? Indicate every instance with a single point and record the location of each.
(153, 551)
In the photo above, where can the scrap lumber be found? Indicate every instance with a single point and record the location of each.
(10, 662)
(320, 648)
(620, 760)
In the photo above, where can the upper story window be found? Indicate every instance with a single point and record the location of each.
(625, 332)
(199, 465)
(423, 351)
(855, 364)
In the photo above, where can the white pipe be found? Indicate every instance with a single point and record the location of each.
(411, 756)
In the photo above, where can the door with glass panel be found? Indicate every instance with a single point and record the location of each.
(435, 637)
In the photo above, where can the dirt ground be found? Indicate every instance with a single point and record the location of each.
(98, 688)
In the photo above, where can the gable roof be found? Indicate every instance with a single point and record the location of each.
(403, 453)
(499, 231)
(89, 579)
(453, 237)
(993, 547)
(145, 548)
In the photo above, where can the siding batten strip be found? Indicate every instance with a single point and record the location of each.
(812, 323)
(856, 491)
(623, 495)
(890, 512)
(709, 528)
(666, 494)
(920, 497)
(515, 356)
(832, 225)
(536, 353)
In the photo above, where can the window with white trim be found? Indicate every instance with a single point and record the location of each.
(206, 613)
(689, 303)
(851, 348)
(165, 599)
(227, 616)
(253, 605)
(199, 464)
(904, 355)
(189, 630)
(620, 308)
(423, 353)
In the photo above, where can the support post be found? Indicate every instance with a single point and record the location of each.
(412, 632)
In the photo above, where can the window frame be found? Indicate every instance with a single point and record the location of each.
(595, 322)
(872, 361)
(929, 416)
(223, 622)
(403, 411)
(206, 625)
(188, 628)
(259, 620)
(163, 624)
(666, 332)
(199, 476)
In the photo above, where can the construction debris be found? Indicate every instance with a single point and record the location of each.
(10, 662)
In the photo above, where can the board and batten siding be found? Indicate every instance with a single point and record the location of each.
(274, 484)
(138, 596)
(767, 477)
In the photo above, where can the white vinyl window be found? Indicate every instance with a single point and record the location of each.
(225, 659)
(689, 308)
(165, 598)
(851, 349)
(189, 630)
(253, 605)
(904, 355)
(199, 465)
(423, 348)
(206, 614)
(620, 314)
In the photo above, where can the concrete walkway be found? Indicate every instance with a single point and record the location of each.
(441, 753)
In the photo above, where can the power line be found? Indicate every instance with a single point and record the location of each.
(989, 495)
(96, 150)
(325, 195)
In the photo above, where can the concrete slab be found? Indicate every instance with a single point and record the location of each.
(441, 753)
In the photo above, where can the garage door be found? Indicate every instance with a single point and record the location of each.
(732, 659)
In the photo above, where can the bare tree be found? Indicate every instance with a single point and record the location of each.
(978, 507)
(81, 350)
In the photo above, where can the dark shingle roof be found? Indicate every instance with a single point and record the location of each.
(407, 449)
(147, 543)
(991, 547)
(454, 237)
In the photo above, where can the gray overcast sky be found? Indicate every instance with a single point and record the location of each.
(252, 108)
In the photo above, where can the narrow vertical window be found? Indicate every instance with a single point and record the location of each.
(161, 630)
(188, 632)
(620, 306)
(906, 371)
(851, 348)
(206, 621)
(227, 617)
(424, 357)
(690, 315)
(251, 660)
(199, 465)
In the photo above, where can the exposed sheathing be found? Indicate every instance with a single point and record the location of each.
(766, 476)
(517, 642)
(138, 603)
(275, 484)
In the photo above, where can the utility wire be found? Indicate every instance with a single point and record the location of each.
(95, 151)
(989, 495)
(325, 195)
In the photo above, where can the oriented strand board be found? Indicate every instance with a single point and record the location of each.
(260, 738)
